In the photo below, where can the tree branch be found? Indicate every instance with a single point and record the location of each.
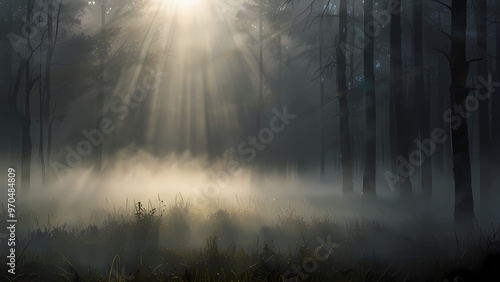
(447, 35)
(443, 53)
(473, 60)
(444, 4)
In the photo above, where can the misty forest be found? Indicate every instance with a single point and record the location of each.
(250, 140)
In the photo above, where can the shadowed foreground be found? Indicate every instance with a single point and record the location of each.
(162, 243)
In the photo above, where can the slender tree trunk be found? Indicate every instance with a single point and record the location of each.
(464, 204)
(345, 137)
(322, 103)
(49, 142)
(447, 153)
(423, 98)
(369, 187)
(397, 91)
(497, 37)
(439, 96)
(45, 94)
(26, 139)
(100, 98)
(260, 101)
(41, 123)
(425, 132)
(6, 74)
(393, 135)
(358, 151)
(351, 59)
(495, 99)
(394, 114)
(6, 48)
(26, 142)
(484, 113)
(280, 46)
(51, 38)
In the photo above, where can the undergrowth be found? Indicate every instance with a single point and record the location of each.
(158, 243)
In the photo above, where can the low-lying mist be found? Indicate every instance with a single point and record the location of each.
(208, 186)
(82, 194)
(186, 206)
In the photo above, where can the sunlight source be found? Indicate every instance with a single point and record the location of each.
(177, 7)
(183, 4)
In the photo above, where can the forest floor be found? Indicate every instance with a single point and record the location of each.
(172, 243)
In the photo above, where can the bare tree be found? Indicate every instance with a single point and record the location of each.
(397, 92)
(423, 98)
(345, 137)
(26, 134)
(459, 67)
(369, 187)
(484, 113)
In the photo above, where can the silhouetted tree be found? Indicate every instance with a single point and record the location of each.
(459, 67)
(322, 152)
(369, 187)
(495, 99)
(345, 136)
(423, 98)
(484, 113)
(263, 12)
(26, 135)
(11, 120)
(402, 121)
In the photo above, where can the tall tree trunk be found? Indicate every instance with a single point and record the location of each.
(26, 139)
(280, 65)
(397, 91)
(351, 59)
(393, 117)
(369, 187)
(41, 123)
(423, 98)
(322, 103)
(393, 136)
(6, 49)
(394, 114)
(6, 57)
(464, 204)
(444, 89)
(100, 98)
(345, 136)
(495, 99)
(484, 113)
(51, 115)
(257, 172)
(51, 41)
(357, 152)
(439, 97)
(45, 94)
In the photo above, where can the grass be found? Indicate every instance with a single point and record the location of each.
(160, 242)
